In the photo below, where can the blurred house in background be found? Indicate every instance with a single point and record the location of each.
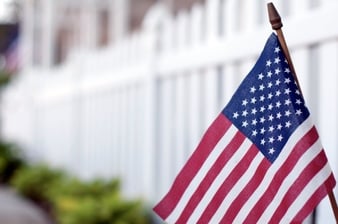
(52, 29)
(127, 87)
(9, 55)
(9, 36)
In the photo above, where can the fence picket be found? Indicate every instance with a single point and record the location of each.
(166, 134)
(231, 17)
(196, 24)
(212, 19)
(328, 126)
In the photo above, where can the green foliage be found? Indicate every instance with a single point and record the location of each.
(73, 201)
(96, 202)
(10, 161)
(36, 182)
(5, 77)
(78, 188)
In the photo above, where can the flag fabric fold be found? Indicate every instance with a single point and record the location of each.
(260, 161)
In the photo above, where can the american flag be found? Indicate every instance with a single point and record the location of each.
(260, 161)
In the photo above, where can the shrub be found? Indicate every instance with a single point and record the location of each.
(36, 183)
(96, 202)
(71, 201)
(10, 160)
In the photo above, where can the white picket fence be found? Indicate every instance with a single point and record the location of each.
(137, 109)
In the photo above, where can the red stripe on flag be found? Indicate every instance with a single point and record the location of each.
(214, 133)
(228, 184)
(245, 194)
(316, 197)
(216, 168)
(303, 179)
(302, 145)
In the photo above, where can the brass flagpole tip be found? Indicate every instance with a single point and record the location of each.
(275, 19)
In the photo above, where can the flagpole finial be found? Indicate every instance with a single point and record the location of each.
(274, 17)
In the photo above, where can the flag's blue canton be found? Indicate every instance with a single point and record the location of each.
(268, 106)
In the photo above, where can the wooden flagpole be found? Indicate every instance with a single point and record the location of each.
(276, 24)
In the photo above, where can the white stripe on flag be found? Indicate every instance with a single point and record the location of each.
(307, 192)
(223, 142)
(309, 155)
(250, 172)
(219, 180)
(297, 135)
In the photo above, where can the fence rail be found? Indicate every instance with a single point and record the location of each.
(138, 108)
